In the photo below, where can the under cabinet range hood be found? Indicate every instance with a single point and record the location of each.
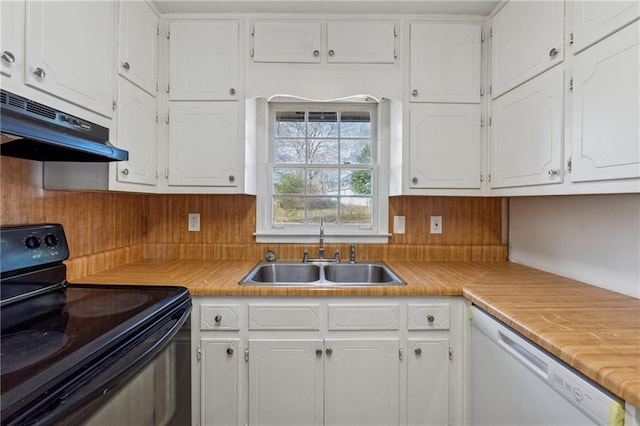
(35, 131)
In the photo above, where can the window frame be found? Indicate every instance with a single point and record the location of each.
(267, 231)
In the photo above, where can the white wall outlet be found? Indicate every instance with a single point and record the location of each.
(194, 222)
(398, 224)
(436, 224)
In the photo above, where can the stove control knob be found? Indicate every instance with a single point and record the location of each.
(51, 240)
(32, 242)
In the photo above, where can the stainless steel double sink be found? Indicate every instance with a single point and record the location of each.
(322, 274)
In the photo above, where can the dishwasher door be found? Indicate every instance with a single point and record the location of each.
(515, 382)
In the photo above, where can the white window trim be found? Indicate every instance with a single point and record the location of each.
(266, 233)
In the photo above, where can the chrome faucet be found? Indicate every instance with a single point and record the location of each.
(336, 255)
(321, 248)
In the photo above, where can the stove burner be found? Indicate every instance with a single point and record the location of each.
(107, 305)
(28, 347)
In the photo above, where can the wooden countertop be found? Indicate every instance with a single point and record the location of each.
(592, 329)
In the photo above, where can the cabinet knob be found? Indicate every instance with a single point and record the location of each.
(232, 178)
(218, 319)
(430, 318)
(8, 57)
(553, 172)
(39, 72)
(318, 352)
(418, 351)
(331, 52)
(126, 66)
(232, 91)
(125, 172)
(553, 53)
(229, 351)
(414, 93)
(316, 52)
(414, 180)
(329, 351)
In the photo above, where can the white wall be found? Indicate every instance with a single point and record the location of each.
(590, 238)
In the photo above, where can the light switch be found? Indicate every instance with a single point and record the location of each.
(436, 224)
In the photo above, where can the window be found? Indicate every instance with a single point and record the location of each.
(321, 161)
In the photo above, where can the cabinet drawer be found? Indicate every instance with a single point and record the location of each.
(429, 316)
(219, 317)
(284, 317)
(364, 317)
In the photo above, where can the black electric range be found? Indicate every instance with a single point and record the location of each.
(66, 348)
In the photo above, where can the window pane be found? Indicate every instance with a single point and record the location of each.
(290, 124)
(355, 182)
(323, 151)
(355, 210)
(288, 209)
(323, 182)
(322, 206)
(323, 124)
(288, 181)
(355, 151)
(289, 151)
(355, 124)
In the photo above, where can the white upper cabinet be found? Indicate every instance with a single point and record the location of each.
(11, 42)
(445, 62)
(137, 132)
(361, 42)
(69, 51)
(594, 20)
(138, 36)
(606, 109)
(203, 60)
(445, 147)
(526, 133)
(203, 144)
(347, 42)
(527, 39)
(287, 41)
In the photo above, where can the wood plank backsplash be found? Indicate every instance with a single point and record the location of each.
(109, 228)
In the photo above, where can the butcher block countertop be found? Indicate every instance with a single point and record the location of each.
(594, 330)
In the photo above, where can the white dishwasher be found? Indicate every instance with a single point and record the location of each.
(515, 382)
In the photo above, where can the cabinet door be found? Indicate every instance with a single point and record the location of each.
(594, 20)
(203, 145)
(606, 108)
(287, 42)
(445, 146)
(526, 133)
(11, 42)
(285, 382)
(138, 37)
(137, 133)
(527, 38)
(220, 376)
(428, 382)
(445, 62)
(203, 60)
(361, 42)
(362, 381)
(69, 51)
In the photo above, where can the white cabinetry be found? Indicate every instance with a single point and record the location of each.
(12, 44)
(139, 30)
(338, 361)
(69, 51)
(445, 62)
(606, 108)
(527, 39)
(594, 20)
(345, 42)
(526, 133)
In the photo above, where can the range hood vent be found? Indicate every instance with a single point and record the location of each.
(35, 131)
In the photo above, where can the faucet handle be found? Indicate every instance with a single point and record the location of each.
(336, 256)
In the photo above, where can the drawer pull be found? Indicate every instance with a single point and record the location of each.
(318, 352)
(430, 318)
(218, 319)
(418, 351)
(229, 351)
(329, 351)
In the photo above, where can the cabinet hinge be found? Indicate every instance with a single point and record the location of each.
(489, 177)
(158, 30)
(569, 164)
(251, 52)
(481, 121)
(482, 35)
(489, 121)
(168, 34)
(253, 30)
(490, 89)
(450, 353)
(571, 38)
(114, 105)
(481, 90)
(157, 86)
(491, 32)
(157, 118)
(168, 88)
(166, 118)
(166, 173)
(481, 178)
(395, 31)
(401, 353)
(156, 174)
(199, 353)
(246, 355)
(571, 84)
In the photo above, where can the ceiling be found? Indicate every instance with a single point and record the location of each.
(439, 7)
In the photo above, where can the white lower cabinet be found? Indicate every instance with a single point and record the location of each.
(326, 360)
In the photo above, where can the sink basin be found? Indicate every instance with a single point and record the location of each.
(322, 274)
